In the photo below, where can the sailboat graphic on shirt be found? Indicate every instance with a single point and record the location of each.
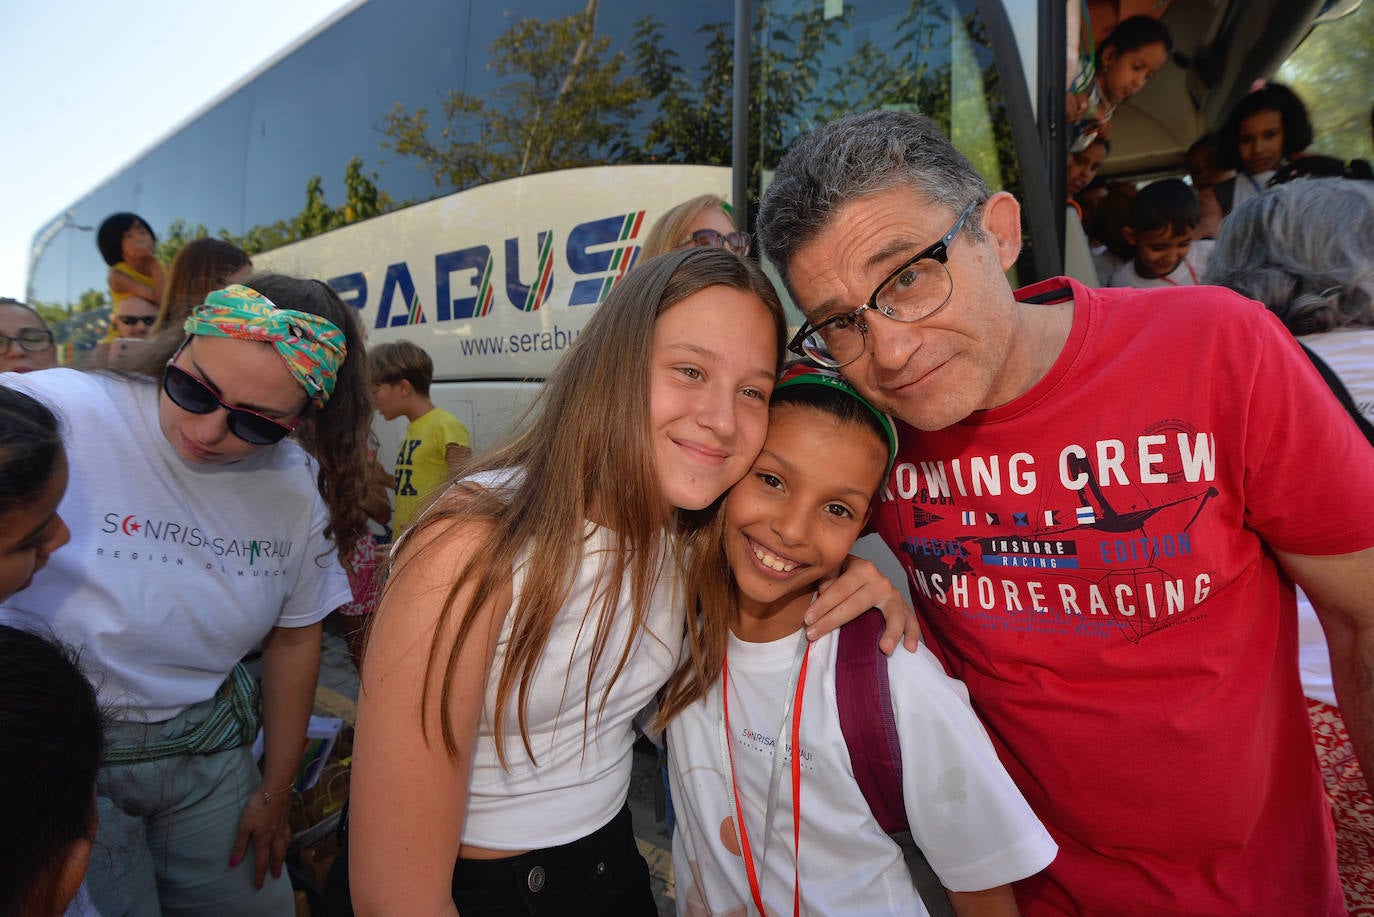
(1099, 546)
(1106, 519)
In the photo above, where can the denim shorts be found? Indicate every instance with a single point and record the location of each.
(167, 827)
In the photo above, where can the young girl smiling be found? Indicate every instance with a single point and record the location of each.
(741, 838)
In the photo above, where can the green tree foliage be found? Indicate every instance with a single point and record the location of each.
(693, 123)
(362, 200)
(264, 237)
(797, 80)
(52, 313)
(1331, 72)
(175, 237)
(695, 114)
(81, 324)
(91, 300)
(56, 313)
(565, 103)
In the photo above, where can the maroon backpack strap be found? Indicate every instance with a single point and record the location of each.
(867, 720)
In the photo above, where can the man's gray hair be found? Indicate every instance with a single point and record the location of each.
(1306, 250)
(858, 155)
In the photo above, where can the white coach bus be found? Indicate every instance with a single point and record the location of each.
(576, 123)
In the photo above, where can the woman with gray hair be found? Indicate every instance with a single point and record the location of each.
(1306, 250)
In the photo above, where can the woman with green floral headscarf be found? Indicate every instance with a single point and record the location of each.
(210, 498)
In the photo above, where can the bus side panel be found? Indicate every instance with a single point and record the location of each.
(497, 281)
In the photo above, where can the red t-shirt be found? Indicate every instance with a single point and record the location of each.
(1090, 560)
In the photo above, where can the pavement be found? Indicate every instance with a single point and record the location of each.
(337, 695)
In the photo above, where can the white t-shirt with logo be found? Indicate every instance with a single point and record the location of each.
(966, 815)
(174, 570)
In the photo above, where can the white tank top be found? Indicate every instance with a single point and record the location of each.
(576, 786)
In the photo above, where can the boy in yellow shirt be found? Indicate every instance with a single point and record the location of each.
(436, 443)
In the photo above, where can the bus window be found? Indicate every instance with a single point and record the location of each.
(816, 62)
(1331, 72)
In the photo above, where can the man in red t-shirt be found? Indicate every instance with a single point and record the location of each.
(1100, 499)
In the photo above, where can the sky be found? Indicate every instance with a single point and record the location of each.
(90, 85)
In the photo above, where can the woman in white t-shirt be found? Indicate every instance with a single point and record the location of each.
(1306, 250)
(199, 530)
(532, 610)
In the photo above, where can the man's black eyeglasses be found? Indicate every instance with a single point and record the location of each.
(916, 290)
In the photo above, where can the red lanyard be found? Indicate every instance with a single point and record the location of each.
(746, 849)
(1191, 273)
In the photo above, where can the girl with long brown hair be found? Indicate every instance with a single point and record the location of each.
(533, 608)
(202, 266)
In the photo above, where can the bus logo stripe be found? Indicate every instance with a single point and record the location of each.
(539, 290)
(485, 296)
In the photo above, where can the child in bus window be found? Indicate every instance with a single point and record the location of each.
(1265, 129)
(1105, 225)
(787, 524)
(1160, 227)
(1083, 166)
(1128, 59)
(1205, 173)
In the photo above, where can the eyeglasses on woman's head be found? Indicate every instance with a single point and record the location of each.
(737, 242)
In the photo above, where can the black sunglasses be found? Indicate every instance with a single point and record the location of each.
(190, 393)
(132, 320)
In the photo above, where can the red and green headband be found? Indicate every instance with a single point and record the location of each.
(807, 374)
(311, 347)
